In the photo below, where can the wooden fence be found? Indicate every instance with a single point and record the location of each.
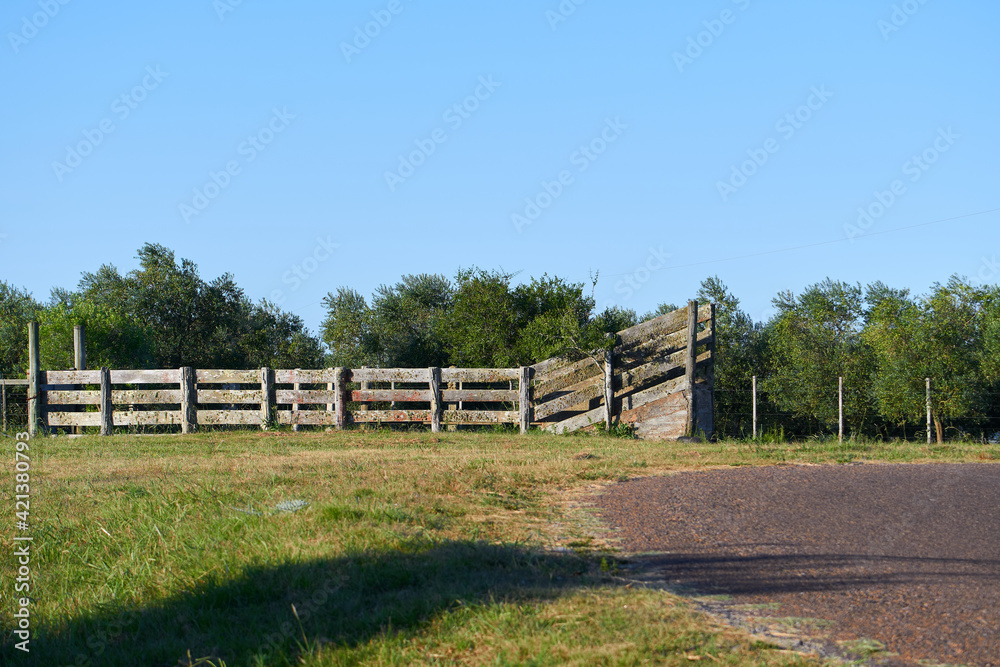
(649, 379)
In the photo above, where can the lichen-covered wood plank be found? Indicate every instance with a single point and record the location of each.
(389, 375)
(656, 392)
(577, 422)
(660, 326)
(640, 377)
(304, 397)
(73, 397)
(586, 391)
(74, 418)
(70, 377)
(480, 395)
(212, 376)
(390, 395)
(583, 370)
(148, 418)
(307, 418)
(228, 417)
(169, 376)
(479, 374)
(146, 397)
(237, 396)
(422, 416)
(305, 376)
(478, 417)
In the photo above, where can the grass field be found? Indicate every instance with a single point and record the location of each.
(450, 548)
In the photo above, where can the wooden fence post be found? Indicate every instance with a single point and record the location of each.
(3, 404)
(754, 407)
(107, 404)
(609, 390)
(691, 359)
(435, 385)
(34, 382)
(266, 392)
(79, 362)
(840, 404)
(339, 397)
(189, 401)
(296, 387)
(524, 398)
(330, 386)
(929, 411)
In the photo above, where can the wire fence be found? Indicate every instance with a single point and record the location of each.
(751, 412)
(13, 406)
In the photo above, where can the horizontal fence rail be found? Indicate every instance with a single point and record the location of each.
(656, 376)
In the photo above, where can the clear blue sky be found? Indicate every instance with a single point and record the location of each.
(309, 114)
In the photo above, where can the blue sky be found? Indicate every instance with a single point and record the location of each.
(283, 144)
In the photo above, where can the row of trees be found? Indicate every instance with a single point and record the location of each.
(882, 341)
(161, 315)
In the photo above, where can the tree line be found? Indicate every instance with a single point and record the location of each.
(883, 341)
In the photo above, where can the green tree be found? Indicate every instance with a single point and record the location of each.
(17, 308)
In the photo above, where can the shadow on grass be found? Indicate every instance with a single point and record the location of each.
(346, 601)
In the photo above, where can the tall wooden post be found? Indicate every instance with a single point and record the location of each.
(840, 402)
(107, 403)
(929, 424)
(189, 401)
(339, 397)
(296, 387)
(435, 385)
(754, 407)
(3, 404)
(266, 392)
(689, 365)
(524, 398)
(609, 390)
(34, 381)
(79, 361)
(711, 368)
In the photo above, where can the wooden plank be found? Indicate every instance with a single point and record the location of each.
(659, 346)
(390, 395)
(225, 417)
(479, 374)
(389, 375)
(705, 312)
(209, 396)
(146, 377)
(480, 395)
(73, 397)
(592, 389)
(478, 417)
(640, 398)
(660, 326)
(577, 422)
(423, 416)
(149, 418)
(71, 377)
(339, 402)
(307, 418)
(524, 407)
(14, 383)
(189, 400)
(584, 369)
(74, 418)
(304, 376)
(641, 376)
(107, 417)
(304, 397)
(227, 376)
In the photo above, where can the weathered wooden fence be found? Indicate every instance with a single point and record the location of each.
(653, 378)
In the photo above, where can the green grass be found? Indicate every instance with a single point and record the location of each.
(450, 548)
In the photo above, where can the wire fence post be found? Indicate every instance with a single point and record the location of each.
(754, 407)
(840, 401)
(928, 411)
